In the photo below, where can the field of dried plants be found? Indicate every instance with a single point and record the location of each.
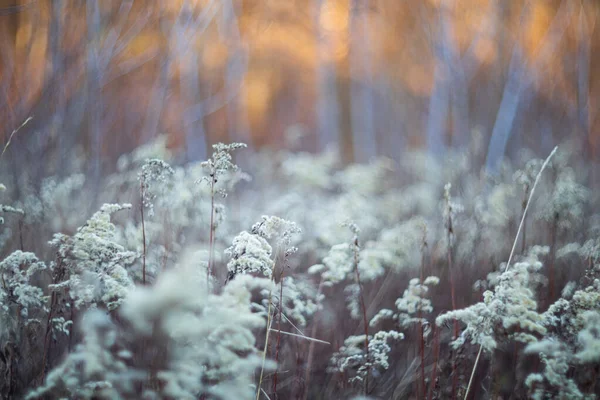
(289, 275)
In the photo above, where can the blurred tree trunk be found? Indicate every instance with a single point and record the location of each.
(94, 92)
(327, 108)
(344, 93)
(361, 83)
(439, 100)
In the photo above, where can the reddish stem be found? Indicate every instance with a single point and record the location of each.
(436, 355)
(211, 237)
(143, 235)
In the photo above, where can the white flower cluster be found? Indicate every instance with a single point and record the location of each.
(18, 294)
(8, 209)
(249, 254)
(284, 230)
(412, 305)
(154, 171)
(299, 301)
(569, 316)
(221, 163)
(526, 177)
(173, 340)
(310, 171)
(566, 202)
(337, 265)
(554, 381)
(96, 263)
(589, 338)
(507, 312)
(356, 363)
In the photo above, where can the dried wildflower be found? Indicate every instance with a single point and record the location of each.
(18, 294)
(271, 226)
(95, 261)
(553, 382)
(566, 202)
(154, 171)
(352, 359)
(220, 164)
(196, 344)
(508, 311)
(589, 338)
(250, 254)
(8, 209)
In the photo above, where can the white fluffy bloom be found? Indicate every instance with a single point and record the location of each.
(553, 382)
(589, 338)
(95, 261)
(310, 171)
(173, 340)
(249, 254)
(154, 171)
(18, 295)
(567, 201)
(353, 360)
(509, 310)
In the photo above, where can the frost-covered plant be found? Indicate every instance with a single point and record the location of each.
(154, 172)
(554, 381)
(173, 340)
(249, 254)
(509, 311)
(95, 263)
(299, 300)
(284, 230)
(366, 179)
(589, 338)
(358, 364)
(412, 305)
(217, 167)
(566, 202)
(567, 318)
(310, 171)
(396, 248)
(8, 209)
(19, 297)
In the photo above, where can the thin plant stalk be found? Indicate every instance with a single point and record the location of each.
(420, 316)
(551, 272)
(311, 348)
(278, 345)
(512, 252)
(143, 234)
(524, 204)
(450, 237)
(267, 334)
(436, 355)
(211, 237)
(364, 311)
(264, 358)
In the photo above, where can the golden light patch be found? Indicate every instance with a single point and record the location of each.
(486, 51)
(214, 55)
(334, 16)
(418, 79)
(537, 26)
(294, 41)
(257, 95)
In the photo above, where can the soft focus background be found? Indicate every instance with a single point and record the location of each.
(424, 122)
(370, 77)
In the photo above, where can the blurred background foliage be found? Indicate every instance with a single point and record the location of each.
(368, 77)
